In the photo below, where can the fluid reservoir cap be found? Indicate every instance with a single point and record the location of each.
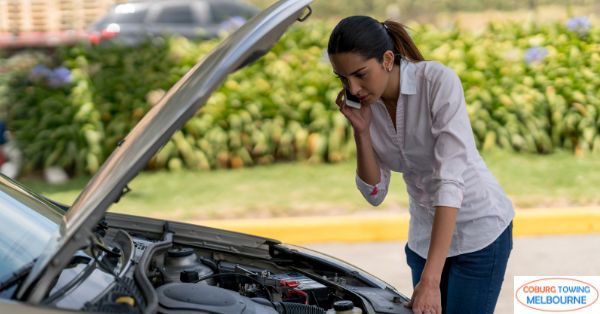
(189, 276)
(125, 300)
(343, 305)
(180, 252)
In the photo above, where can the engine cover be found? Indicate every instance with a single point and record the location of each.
(186, 297)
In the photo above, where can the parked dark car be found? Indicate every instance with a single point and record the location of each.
(81, 258)
(135, 21)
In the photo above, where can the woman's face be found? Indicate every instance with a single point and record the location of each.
(366, 79)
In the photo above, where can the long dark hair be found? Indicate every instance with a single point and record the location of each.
(369, 38)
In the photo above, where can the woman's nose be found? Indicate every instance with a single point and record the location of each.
(353, 87)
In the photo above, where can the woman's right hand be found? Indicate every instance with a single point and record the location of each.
(360, 119)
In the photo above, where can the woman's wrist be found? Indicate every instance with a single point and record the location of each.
(362, 135)
(430, 280)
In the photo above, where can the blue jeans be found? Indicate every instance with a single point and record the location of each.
(470, 282)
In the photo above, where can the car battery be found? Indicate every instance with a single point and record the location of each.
(302, 287)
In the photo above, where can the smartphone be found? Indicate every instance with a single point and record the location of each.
(351, 100)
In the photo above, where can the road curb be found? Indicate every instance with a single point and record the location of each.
(355, 229)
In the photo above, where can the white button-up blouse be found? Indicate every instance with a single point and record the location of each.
(433, 147)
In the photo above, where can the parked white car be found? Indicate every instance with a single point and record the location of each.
(136, 21)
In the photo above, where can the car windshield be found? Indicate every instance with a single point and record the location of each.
(27, 223)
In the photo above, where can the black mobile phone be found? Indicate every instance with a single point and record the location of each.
(352, 100)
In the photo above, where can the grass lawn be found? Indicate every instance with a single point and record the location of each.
(558, 180)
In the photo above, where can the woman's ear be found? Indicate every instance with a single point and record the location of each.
(388, 60)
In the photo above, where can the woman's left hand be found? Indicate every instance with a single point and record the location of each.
(426, 299)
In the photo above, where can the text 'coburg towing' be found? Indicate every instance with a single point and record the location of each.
(555, 294)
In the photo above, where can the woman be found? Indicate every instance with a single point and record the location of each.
(413, 120)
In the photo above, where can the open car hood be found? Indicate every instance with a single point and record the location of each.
(182, 101)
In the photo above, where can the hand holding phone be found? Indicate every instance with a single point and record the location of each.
(351, 100)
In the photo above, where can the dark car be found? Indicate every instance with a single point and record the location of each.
(81, 258)
(135, 21)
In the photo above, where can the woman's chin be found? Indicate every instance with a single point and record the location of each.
(369, 100)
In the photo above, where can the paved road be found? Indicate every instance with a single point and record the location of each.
(531, 256)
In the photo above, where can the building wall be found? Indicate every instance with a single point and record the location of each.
(25, 16)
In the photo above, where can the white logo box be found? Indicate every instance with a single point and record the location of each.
(556, 294)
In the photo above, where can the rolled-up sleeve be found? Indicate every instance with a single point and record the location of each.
(453, 138)
(375, 194)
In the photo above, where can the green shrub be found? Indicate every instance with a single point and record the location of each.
(528, 88)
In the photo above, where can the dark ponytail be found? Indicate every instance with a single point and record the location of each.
(370, 38)
(403, 44)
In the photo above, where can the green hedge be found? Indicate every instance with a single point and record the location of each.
(534, 107)
(281, 107)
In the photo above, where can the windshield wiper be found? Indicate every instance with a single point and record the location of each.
(16, 276)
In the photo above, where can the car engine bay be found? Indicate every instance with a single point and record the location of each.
(124, 271)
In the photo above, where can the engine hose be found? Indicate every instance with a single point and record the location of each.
(297, 308)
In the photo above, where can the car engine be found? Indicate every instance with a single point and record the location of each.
(125, 271)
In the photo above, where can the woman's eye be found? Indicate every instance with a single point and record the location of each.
(360, 75)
